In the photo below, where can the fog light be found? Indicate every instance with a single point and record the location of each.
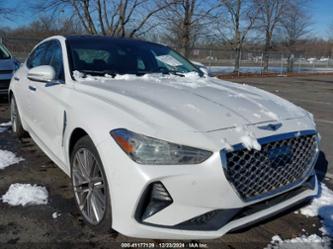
(157, 199)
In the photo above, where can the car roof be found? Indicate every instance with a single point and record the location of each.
(94, 38)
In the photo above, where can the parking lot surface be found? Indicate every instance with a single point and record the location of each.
(34, 226)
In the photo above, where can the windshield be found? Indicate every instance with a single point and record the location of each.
(117, 56)
(4, 54)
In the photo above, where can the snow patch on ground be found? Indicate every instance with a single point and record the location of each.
(312, 241)
(322, 206)
(55, 215)
(5, 126)
(8, 158)
(25, 195)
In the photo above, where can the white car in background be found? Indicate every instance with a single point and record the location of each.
(312, 60)
(156, 149)
(8, 64)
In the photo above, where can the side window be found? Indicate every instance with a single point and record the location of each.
(90, 55)
(37, 56)
(56, 60)
(141, 64)
(48, 53)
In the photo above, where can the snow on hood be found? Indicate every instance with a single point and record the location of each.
(203, 103)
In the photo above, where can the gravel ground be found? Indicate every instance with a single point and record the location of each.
(34, 227)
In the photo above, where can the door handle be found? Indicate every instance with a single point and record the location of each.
(16, 78)
(32, 88)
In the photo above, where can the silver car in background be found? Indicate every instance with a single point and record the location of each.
(8, 64)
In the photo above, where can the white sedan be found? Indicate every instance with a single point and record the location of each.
(154, 147)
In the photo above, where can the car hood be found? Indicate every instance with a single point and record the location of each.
(191, 102)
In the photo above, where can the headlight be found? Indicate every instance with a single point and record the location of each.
(148, 150)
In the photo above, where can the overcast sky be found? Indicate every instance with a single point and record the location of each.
(322, 15)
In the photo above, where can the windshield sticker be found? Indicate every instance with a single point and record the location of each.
(168, 59)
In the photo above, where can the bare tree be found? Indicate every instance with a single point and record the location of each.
(330, 31)
(6, 13)
(295, 26)
(239, 20)
(114, 17)
(270, 16)
(185, 21)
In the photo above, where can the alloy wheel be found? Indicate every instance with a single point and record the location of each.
(89, 186)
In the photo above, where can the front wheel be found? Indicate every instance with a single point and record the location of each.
(90, 185)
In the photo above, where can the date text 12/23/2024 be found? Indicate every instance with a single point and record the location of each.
(163, 245)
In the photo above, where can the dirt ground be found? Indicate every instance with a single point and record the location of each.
(34, 227)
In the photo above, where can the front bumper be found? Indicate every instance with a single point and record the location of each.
(196, 190)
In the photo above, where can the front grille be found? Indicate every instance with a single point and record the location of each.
(277, 165)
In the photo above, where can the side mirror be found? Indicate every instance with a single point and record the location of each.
(43, 73)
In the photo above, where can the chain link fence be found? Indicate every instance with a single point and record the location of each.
(218, 61)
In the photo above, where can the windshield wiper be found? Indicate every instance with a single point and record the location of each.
(98, 73)
(143, 72)
(174, 72)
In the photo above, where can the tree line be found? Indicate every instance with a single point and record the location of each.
(182, 24)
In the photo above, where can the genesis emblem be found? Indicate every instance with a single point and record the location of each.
(271, 127)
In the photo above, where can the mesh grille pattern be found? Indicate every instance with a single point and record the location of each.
(277, 164)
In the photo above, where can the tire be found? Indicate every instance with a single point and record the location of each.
(15, 118)
(90, 187)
